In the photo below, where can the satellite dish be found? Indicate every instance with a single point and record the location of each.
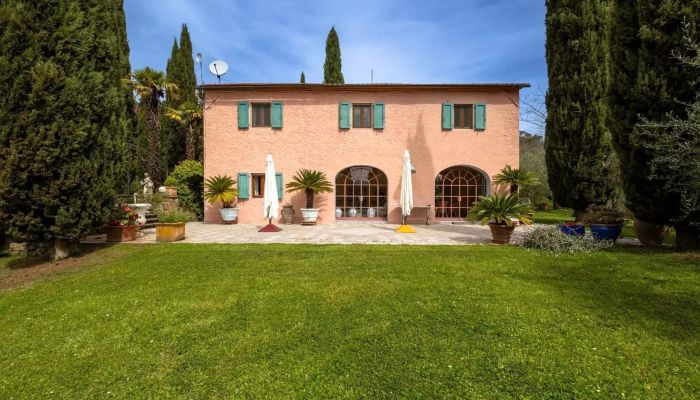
(218, 68)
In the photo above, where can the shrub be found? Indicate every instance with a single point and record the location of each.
(170, 217)
(550, 239)
(603, 215)
(188, 177)
(170, 181)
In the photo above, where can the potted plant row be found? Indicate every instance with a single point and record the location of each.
(122, 225)
(220, 189)
(171, 225)
(501, 212)
(311, 182)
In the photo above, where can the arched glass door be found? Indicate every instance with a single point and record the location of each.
(456, 189)
(361, 193)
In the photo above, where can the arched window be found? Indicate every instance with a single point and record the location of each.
(361, 193)
(456, 189)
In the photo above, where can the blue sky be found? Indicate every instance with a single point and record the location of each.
(403, 41)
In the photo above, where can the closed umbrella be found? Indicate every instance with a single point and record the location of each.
(406, 195)
(271, 204)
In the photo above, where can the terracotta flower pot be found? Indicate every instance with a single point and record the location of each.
(121, 233)
(650, 234)
(170, 232)
(501, 233)
(287, 215)
(171, 191)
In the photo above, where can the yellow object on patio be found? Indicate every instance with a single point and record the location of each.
(405, 229)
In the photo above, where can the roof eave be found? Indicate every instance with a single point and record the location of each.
(362, 86)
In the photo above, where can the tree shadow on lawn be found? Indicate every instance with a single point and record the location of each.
(654, 290)
(33, 261)
(26, 270)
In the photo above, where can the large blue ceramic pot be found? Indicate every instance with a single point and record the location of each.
(572, 229)
(606, 232)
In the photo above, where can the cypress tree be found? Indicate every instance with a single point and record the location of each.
(173, 145)
(332, 68)
(648, 81)
(64, 117)
(130, 166)
(302, 79)
(577, 141)
(180, 71)
(170, 70)
(188, 87)
(187, 80)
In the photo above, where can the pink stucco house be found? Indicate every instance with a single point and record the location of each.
(458, 135)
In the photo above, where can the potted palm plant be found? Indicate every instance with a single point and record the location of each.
(311, 182)
(516, 178)
(220, 189)
(605, 222)
(171, 225)
(500, 212)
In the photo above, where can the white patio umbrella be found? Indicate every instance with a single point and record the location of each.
(271, 204)
(406, 195)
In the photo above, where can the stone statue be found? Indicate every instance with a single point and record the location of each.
(147, 184)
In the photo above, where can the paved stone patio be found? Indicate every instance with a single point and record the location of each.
(339, 233)
(342, 233)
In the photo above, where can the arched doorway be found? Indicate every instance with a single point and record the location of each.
(456, 189)
(361, 193)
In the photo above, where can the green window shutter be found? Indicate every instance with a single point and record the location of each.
(280, 188)
(277, 114)
(243, 185)
(480, 119)
(378, 115)
(344, 115)
(447, 116)
(243, 115)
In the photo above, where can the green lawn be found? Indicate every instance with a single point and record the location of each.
(554, 216)
(298, 321)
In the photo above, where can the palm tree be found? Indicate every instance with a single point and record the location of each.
(515, 177)
(186, 115)
(221, 189)
(150, 87)
(501, 210)
(311, 182)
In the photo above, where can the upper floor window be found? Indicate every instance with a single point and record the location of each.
(261, 114)
(464, 116)
(362, 115)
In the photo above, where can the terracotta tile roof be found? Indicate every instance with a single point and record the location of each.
(361, 86)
